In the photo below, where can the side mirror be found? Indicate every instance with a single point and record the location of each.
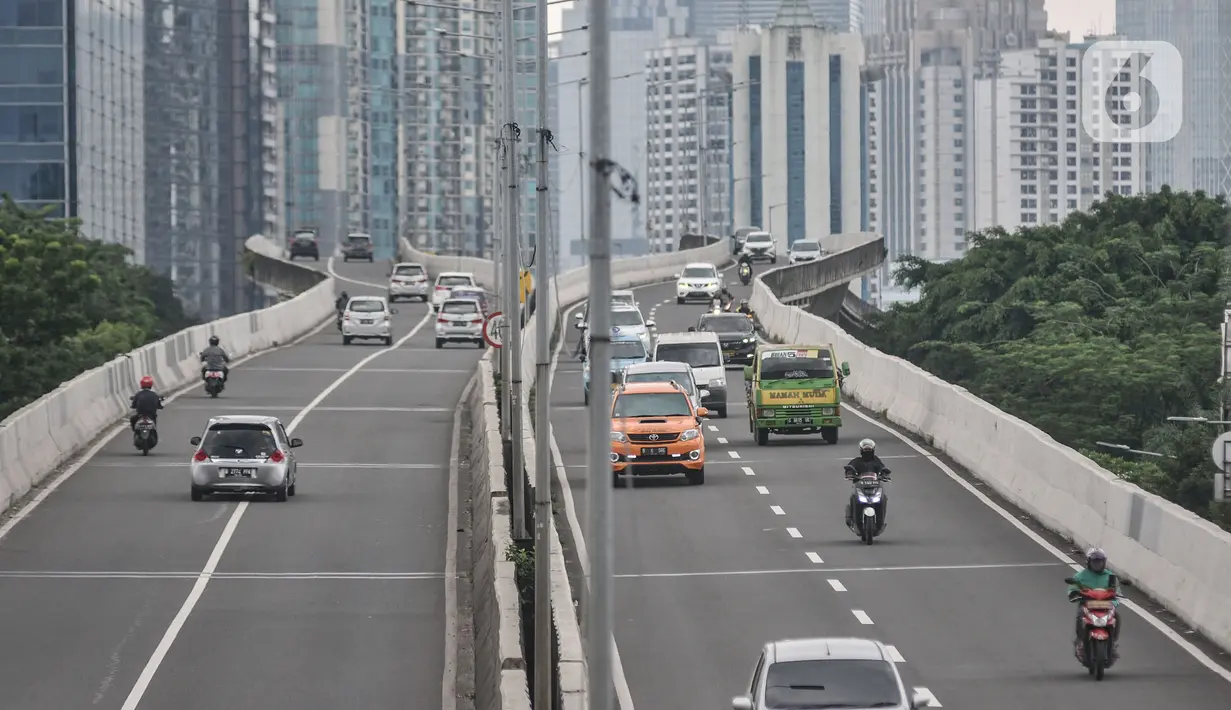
(650, 324)
(394, 311)
(579, 325)
(741, 702)
(748, 372)
(296, 443)
(702, 412)
(1070, 580)
(692, 329)
(846, 369)
(582, 357)
(1124, 582)
(195, 441)
(675, 276)
(704, 393)
(577, 315)
(919, 700)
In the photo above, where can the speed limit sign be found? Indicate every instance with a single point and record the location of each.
(492, 329)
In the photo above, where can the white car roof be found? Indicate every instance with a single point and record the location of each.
(698, 337)
(467, 274)
(367, 298)
(663, 366)
(408, 263)
(700, 265)
(758, 234)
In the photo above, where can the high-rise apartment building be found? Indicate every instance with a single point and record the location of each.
(72, 114)
(800, 110)
(382, 114)
(1199, 158)
(708, 18)
(553, 165)
(688, 90)
(211, 168)
(1034, 162)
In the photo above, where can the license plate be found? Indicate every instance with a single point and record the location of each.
(214, 373)
(239, 472)
(728, 353)
(798, 420)
(365, 321)
(656, 451)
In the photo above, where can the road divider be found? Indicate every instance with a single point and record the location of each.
(40, 437)
(1179, 559)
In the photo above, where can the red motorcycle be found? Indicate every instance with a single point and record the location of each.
(1098, 618)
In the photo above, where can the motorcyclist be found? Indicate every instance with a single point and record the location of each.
(744, 307)
(215, 358)
(745, 259)
(866, 462)
(145, 403)
(1096, 576)
(340, 304)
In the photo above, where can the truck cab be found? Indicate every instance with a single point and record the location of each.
(794, 390)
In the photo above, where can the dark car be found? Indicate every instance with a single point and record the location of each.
(737, 336)
(303, 243)
(358, 246)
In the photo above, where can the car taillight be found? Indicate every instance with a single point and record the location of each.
(200, 456)
(476, 320)
(346, 317)
(442, 288)
(442, 319)
(277, 457)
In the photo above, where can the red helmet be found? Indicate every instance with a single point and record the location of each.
(147, 383)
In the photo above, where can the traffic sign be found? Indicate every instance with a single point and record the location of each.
(492, 329)
(1221, 451)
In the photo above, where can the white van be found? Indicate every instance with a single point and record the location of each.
(703, 353)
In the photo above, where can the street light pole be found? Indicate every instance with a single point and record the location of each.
(512, 282)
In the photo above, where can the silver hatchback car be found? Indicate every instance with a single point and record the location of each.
(849, 673)
(244, 454)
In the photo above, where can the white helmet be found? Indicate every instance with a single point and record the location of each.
(867, 445)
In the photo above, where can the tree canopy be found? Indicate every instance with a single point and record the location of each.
(1095, 329)
(69, 304)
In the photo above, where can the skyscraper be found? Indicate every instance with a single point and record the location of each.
(72, 114)
(710, 17)
(1199, 158)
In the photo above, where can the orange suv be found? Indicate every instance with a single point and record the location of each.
(656, 431)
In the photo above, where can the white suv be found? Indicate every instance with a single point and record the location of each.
(697, 281)
(760, 246)
(804, 250)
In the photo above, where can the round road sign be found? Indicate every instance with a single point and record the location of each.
(491, 329)
(1221, 451)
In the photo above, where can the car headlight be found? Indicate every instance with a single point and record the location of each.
(766, 413)
(749, 340)
(689, 435)
(718, 383)
(618, 437)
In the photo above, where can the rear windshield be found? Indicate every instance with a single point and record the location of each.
(698, 272)
(759, 238)
(666, 404)
(467, 293)
(454, 281)
(239, 441)
(408, 271)
(460, 307)
(831, 683)
(806, 246)
(305, 237)
(796, 365)
(693, 354)
(624, 298)
(680, 378)
(726, 324)
(367, 306)
(626, 318)
(625, 349)
(358, 241)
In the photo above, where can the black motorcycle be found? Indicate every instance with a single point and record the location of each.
(867, 508)
(745, 274)
(145, 435)
(214, 382)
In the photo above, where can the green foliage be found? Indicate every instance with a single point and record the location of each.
(69, 304)
(1096, 329)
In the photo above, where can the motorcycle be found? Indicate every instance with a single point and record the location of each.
(867, 508)
(213, 382)
(1098, 618)
(745, 274)
(145, 435)
(716, 305)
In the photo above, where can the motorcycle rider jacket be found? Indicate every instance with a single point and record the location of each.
(215, 358)
(145, 403)
(866, 465)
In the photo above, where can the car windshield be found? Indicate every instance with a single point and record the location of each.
(806, 246)
(698, 272)
(467, 293)
(408, 271)
(454, 281)
(796, 364)
(755, 238)
(837, 683)
(626, 318)
(367, 306)
(726, 324)
(624, 298)
(239, 441)
(625, 349)
(460, 307)
(692, 354)
(359, 241)
(681, 378)
(664, 404)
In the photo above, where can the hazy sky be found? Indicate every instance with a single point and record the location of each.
(1074, 16)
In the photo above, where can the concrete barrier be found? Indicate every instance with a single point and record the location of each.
(1179, 559)
(500, 665)
(37, 439)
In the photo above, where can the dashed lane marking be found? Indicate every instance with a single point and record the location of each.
(862, 616)
(894, 654)
(932, 701)
(794, 532)
(814, 558)
(748, 471)
(837, 586)
(733, 454)
(712, 427)
(721, 440)
(763, 490)
(777, 510)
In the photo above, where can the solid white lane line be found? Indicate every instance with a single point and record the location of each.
(777, 510)
(721, 440)
(794, 532)
(763, 490)
(198, 588)
(837, 586)
(330, 270)
(748, 471)
(932, 701)
(733, 454)
(815, 558)
(862, 616)
(712, 427)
